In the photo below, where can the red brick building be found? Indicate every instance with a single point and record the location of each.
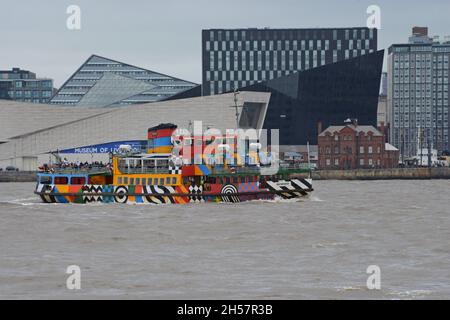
(353, 146)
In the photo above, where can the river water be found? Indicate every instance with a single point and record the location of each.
(316, 248)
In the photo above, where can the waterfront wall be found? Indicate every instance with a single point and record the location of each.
(20, 176)
(359, 174)
(383, 174)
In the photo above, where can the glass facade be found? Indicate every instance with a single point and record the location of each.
(234, 58)
(22, 85)
(101, 82)
(327, 95)
(418, 96)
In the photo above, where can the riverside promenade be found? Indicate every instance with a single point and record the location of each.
(383, 174)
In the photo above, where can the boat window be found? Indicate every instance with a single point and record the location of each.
(174, 180)
(61, 180)
(168, 180)
(149, 181)
(131, 181)
(77, 180)
(138, 181)
(125, 180)
(119, 180)
(143, 181)
(235, 180)
(161, 181)
(46, 180)
(227, 180)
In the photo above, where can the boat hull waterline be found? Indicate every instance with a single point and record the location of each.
(295, 188)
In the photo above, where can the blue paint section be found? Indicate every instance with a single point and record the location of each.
(162, 142)
(204, 169)
(60, 199)
(108, 189)
(48, 178)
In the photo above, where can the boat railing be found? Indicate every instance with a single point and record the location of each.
(84, 170)
(238, 170)
(140, 170)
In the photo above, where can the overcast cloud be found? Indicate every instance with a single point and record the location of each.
(165, 36)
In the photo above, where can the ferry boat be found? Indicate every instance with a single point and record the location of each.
(161, 175)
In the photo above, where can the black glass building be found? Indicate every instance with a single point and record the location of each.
(323, 96)
(235, 58)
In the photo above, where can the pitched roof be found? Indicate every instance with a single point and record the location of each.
(359, 128)
(389, 147)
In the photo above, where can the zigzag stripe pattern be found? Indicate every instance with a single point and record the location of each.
(92, 189)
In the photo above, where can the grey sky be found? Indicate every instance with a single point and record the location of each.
(165, 36)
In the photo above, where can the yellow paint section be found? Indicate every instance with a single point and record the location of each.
(162, 149)
(156, 179)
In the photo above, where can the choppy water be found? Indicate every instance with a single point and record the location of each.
(316, 248)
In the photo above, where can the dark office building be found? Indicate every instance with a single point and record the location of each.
(323, 96)
(235, 58)
(22, 85)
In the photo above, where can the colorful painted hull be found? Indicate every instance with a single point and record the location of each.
(290, 189)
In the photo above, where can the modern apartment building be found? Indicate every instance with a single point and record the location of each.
(418, 93)
(235, 58)
(22, 85)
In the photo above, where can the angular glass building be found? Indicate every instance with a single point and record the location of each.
(302, 102)
(102, 82)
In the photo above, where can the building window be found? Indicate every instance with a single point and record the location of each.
(370, 149)
(361, 149)
(328, 162)
(361, 162)
(370, 162)
(336, 161)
